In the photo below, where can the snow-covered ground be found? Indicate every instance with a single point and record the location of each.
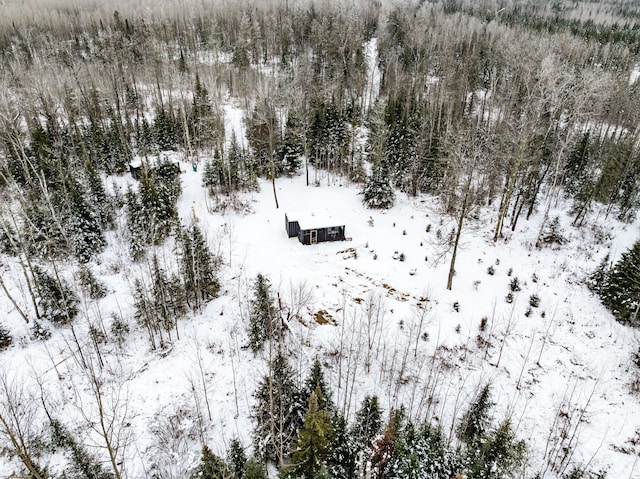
(562, 371)
(568, 360)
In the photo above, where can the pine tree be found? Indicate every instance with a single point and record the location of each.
(255, 470)
(90, 284)
(137, 226)
(277, 412)
(292, 148)
(599, 277)
(314, 381)
(312, 445)
(211, 467)
(262, 315)
(475, 421)
(367, 423)
(168, 297)
(83, 464)
(377, 191)
(237, 459)
(103, 204)
(196, 264)
(499, 455)
(5, 338)
(57, 301)
(620, 290)
(341, 457)
(166, 130)
(213, 176)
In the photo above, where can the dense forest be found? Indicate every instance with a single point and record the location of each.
(508, 107)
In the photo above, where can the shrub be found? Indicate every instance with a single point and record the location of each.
(491, 270)
(534, 300)
(5, 338)
(483, 323)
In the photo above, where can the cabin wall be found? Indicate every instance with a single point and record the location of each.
(335, 233)
(292, 227)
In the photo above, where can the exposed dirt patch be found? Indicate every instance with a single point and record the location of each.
(323, 317)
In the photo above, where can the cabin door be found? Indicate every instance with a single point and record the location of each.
(314, 237)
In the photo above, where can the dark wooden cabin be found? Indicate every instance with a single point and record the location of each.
(313, 227)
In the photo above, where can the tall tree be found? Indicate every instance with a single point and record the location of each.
(619, 289)
(197, 267)
(277, 413)
(311, 448)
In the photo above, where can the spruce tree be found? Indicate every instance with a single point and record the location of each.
(83, 226)
(291, 149)
(197, 268)
(312, 445)
(91, 286)
(277, 413)
(262, 315)
(377, 191)
(5, 337)
(341, 457)
(168, 297)
(314, 381)
(83, 464)
(57, 301)
(475, 421)
(499, 454)
(620, 289)
(237, 459)
(255, 470)
(137, 226)
(367, 423)
(211, 467)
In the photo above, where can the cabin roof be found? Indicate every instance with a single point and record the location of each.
(309, 220)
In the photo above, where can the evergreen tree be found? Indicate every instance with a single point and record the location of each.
(237, 459)
(384, 447)
(211, 467)
(620, 289)
(277, 412)
(103, 204)
(204, 125)
(166, 129)
(599, 277)
(312, 445)
(213, 176)
(291, 148)
(196, 264)
(168, 297)
(83, 464)
(498, 455)
(341, 457)
(82, 225)
(5, 338)
(262, 314)
(475, 421)
(90, 284)
(57, 301)
(368, 422)
(377, 191)
(314, 381)
(255, 470)
(576, 168)
(137, 226)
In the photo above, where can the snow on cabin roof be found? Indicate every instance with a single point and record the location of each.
(308, 220)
